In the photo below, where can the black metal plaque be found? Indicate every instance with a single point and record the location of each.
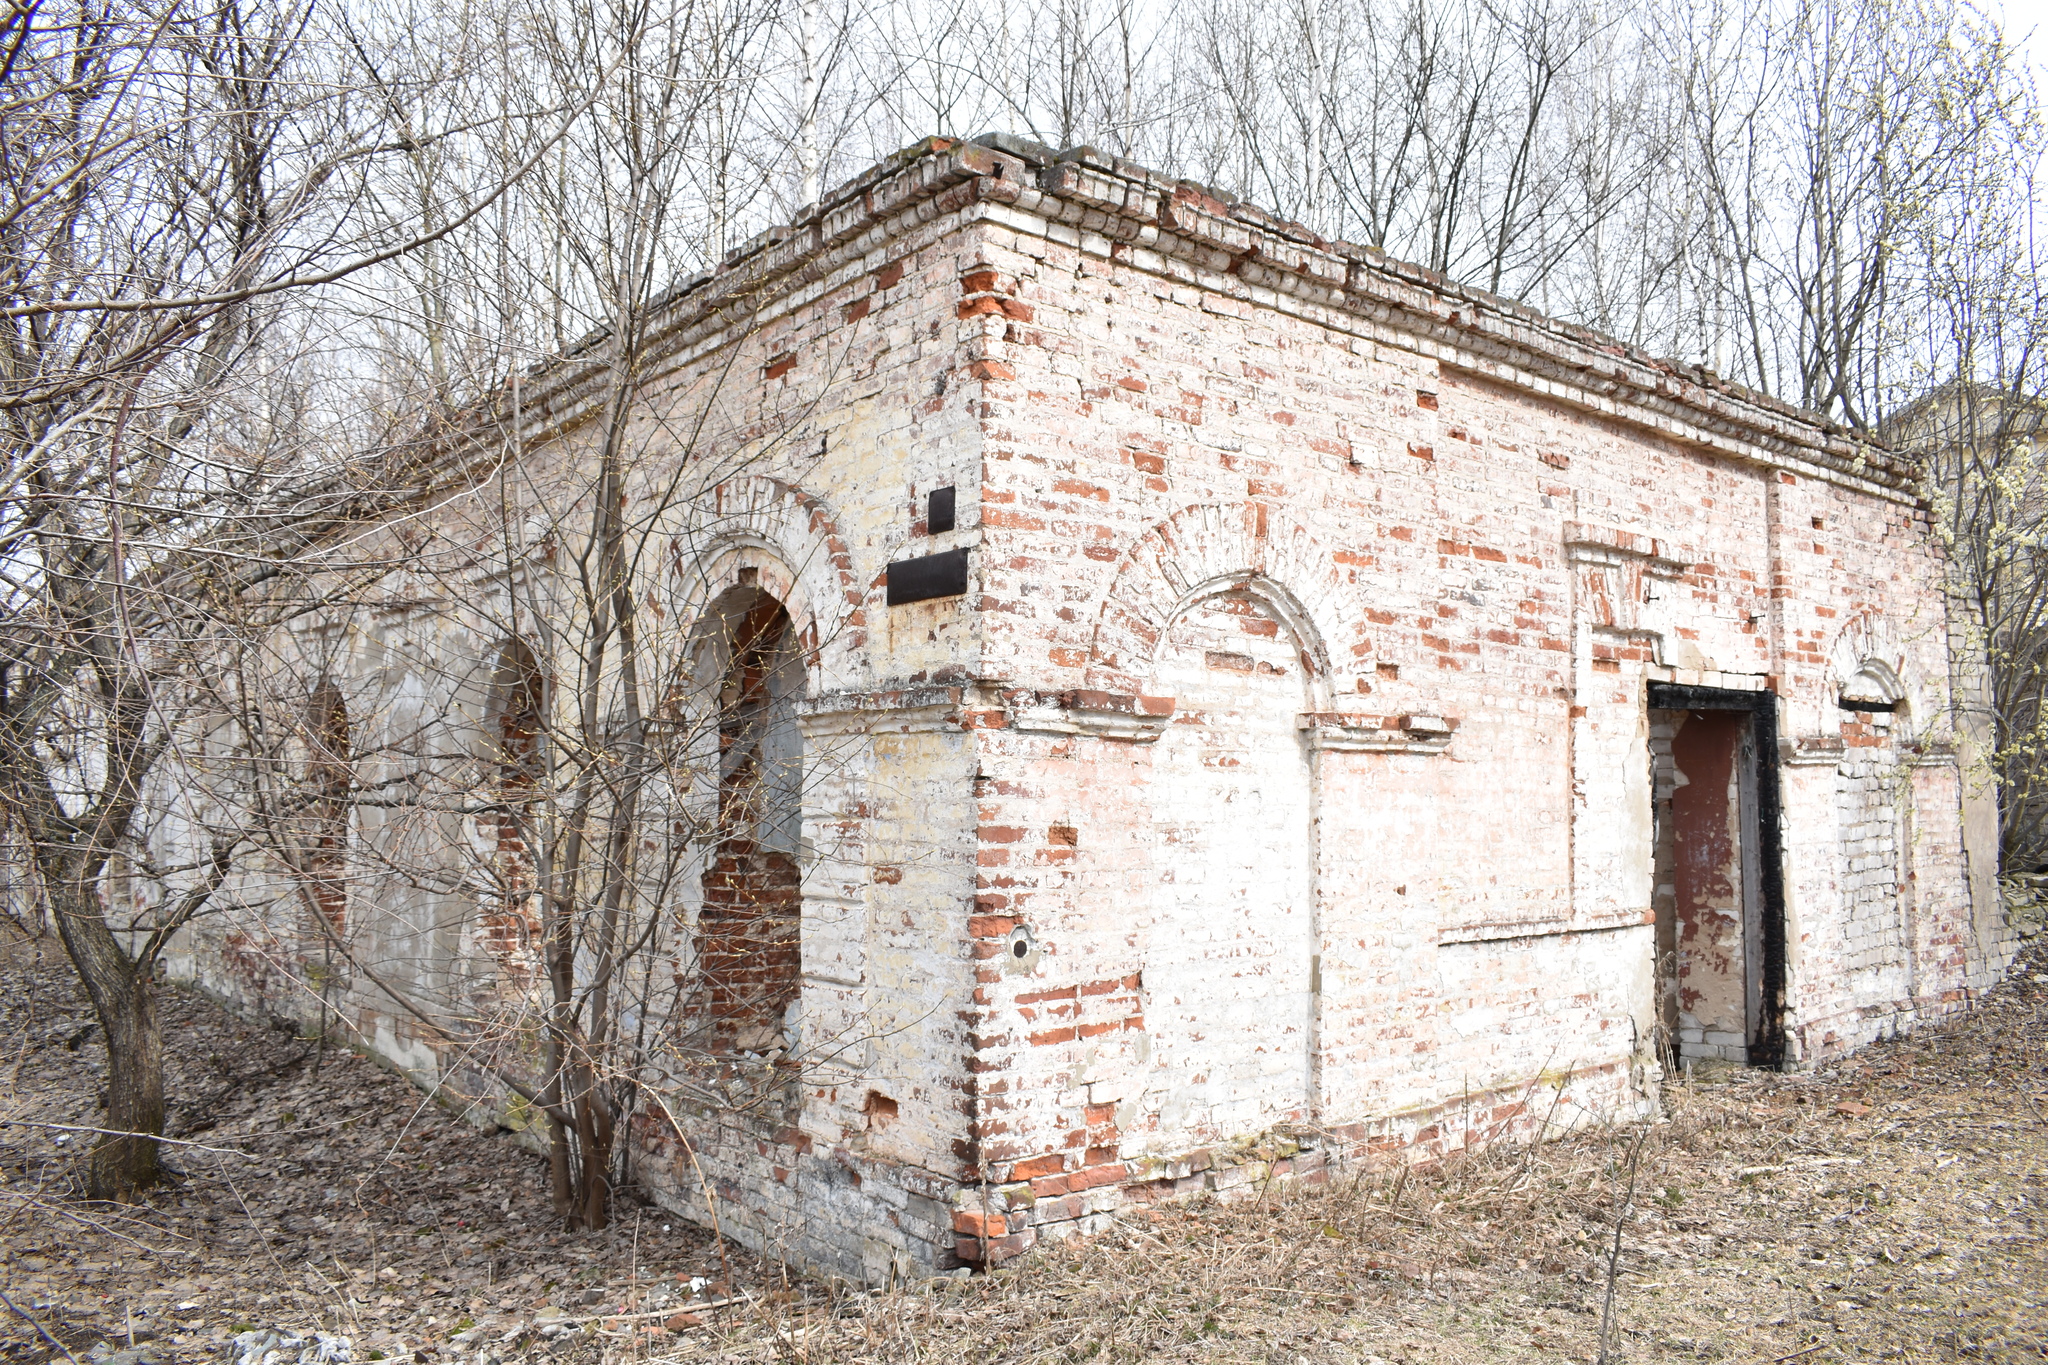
(920, 580)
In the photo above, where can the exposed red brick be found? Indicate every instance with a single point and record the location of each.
(1094, 1177)
(1052, 1163)
(1049, 994)
(974, 1223)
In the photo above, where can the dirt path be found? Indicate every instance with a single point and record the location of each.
(1889, 1209)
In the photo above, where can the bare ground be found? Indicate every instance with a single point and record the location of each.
(1890, 1208)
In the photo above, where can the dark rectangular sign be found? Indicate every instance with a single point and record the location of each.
(919, 580)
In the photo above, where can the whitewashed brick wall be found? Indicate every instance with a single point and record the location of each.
(1280, 792)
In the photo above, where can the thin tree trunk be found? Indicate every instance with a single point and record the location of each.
(594, 1121)
(807, 155)
(125, 1162)
(561, 1185)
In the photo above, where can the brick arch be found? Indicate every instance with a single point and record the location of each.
(1867, 651)
(788, 538)
(1215, 547)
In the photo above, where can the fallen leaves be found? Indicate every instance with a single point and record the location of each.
(344, 1201)
(1770, 1229)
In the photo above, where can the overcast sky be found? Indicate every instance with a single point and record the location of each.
(2027, 21)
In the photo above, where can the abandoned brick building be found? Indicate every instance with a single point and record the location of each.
(1286, 707)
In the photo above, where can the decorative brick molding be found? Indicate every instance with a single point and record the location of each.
(788, 539)
(1100, 715)
(1867, 661)
(1813, 751)
(1293, 270)
(1219, 547)
(1617, 578)
(1586, 542)
(1180, 225)
(1347, 732)
(900, 708)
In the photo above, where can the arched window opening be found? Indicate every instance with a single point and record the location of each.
(748, 930)
(330, 774)
(517, 719)
(1874, 686)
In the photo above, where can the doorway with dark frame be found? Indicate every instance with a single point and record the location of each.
(1719, 883)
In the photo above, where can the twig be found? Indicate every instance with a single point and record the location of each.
(122, 1132)
(1306, 1293)
(982, 1234)
(250, 1215)
(1635, 1153)
(61, 1211)
(668, 1312)
(1802, 1351)
(703, 1181)
(39, 1328)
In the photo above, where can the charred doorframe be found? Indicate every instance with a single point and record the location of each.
(1762, 707)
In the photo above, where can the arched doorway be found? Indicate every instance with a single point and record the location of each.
(748, 940)
(1229, 959)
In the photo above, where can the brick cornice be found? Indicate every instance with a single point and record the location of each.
(770, 273)
(1134, 213)
(1146, 221)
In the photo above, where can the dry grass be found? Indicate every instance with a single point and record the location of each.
(1890, 1208)
(1887, 1209)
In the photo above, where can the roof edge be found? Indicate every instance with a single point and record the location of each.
(1116, 199)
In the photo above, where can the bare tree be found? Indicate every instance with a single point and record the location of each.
(1821, 137)
(172, 175)
(529, 811)
(1977, 425)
